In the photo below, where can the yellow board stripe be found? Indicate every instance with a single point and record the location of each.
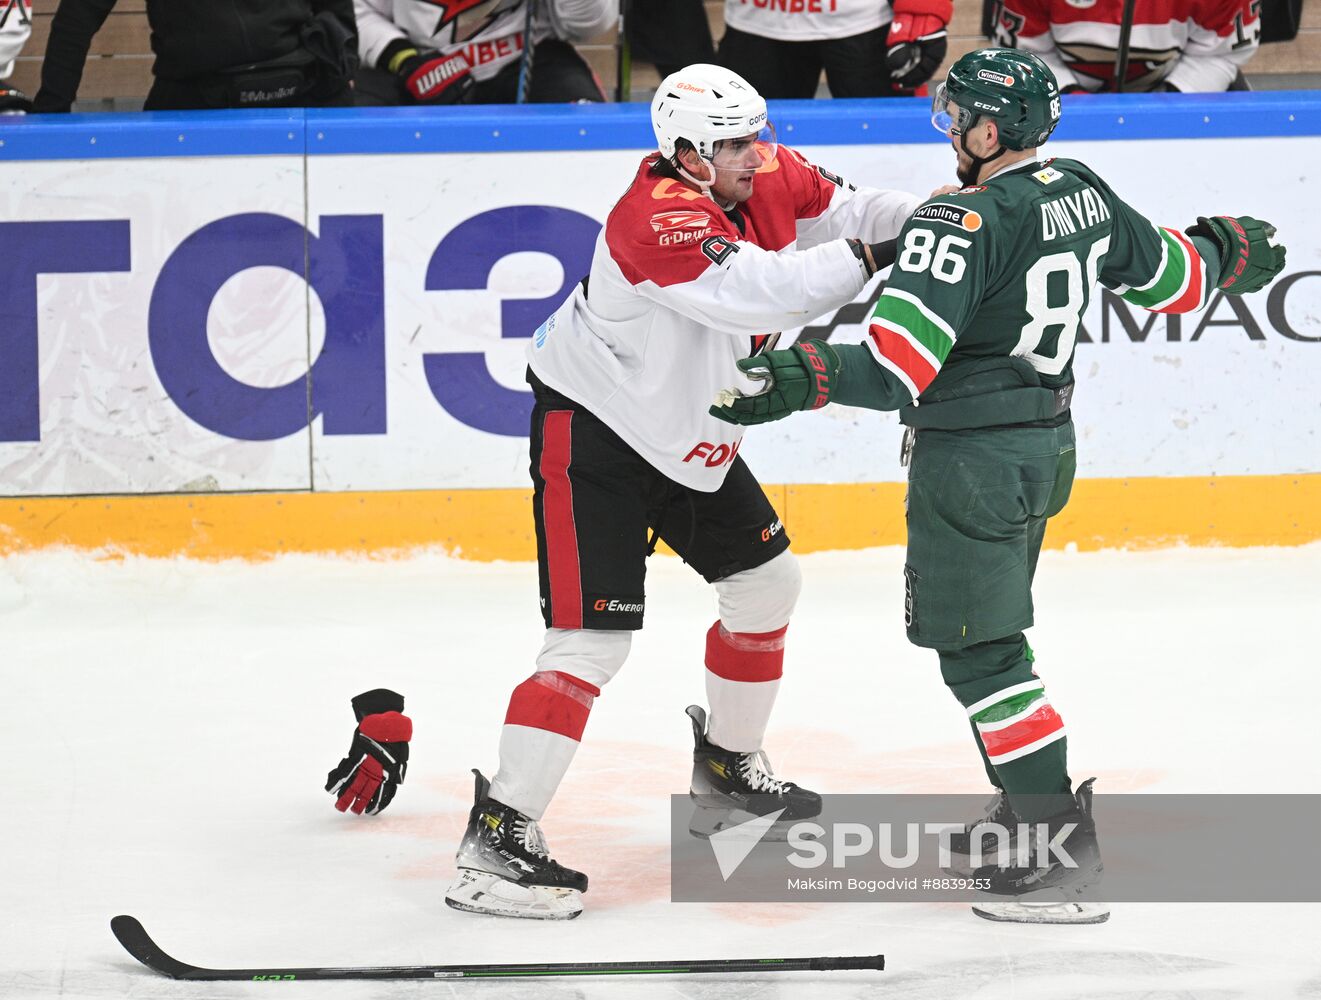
(487, 525)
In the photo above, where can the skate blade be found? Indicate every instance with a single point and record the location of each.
(708, 821)
(1044, 913)
(484, 892)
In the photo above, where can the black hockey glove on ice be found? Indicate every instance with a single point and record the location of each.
(1250, 258)
(368, 777)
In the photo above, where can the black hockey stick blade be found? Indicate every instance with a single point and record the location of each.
(138, 943)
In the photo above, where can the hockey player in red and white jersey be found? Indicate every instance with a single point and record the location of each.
(720, 241)
(868, 48)
(468, 51)
(1175, 45)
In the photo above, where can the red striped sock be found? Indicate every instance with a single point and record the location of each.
(554, 701)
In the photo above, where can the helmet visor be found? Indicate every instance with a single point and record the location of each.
(747, 152)
(945, 122)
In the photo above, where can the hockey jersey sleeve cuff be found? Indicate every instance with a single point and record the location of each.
(942, 9)
(1209, 252)
(376, 701)
(863, 382)
(395, 48)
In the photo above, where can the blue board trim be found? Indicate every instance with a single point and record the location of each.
(153, 135)
(505, 128)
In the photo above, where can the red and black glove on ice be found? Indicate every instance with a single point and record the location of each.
(918, 40)
(366, 780)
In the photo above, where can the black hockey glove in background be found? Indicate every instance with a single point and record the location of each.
(1250, 257)
(13, 101)
(917, 41)
(368, 777)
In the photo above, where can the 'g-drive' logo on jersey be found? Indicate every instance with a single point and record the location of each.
(992, 77)
(680, 226)
(952, 215)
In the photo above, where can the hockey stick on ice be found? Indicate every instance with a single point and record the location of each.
(133, 936)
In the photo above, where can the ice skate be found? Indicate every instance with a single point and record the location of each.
(998, 811)
(730, 788)
(1056, 893)
(505, 868)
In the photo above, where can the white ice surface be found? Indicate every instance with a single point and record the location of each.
(168, 725)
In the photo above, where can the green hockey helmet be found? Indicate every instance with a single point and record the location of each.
(1012, 87)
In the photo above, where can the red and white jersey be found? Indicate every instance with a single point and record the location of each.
(489, 32)
(806, 20)
(1195, 45)
(15, 27)
(679, 291)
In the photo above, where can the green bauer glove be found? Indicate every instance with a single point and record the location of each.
(800, 378)
(1249, 256)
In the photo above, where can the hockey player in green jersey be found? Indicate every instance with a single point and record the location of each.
(972, 341)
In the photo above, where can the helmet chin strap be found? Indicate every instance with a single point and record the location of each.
(703, 186)
(977, 161)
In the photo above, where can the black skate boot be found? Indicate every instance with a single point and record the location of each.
(1059, 891)
(998, 811)
(731, 788)
(505, 868)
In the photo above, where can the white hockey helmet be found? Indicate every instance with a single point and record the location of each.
(706, 104)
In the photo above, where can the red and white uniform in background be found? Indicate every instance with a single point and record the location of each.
(488, 32)
(806, 20)
(15, 27)
(677, 294)
(1195, 45)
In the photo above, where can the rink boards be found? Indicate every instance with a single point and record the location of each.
(243, 334)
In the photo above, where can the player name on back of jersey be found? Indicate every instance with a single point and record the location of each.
(1073, 213)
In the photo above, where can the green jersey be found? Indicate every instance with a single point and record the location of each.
(1005, 270)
